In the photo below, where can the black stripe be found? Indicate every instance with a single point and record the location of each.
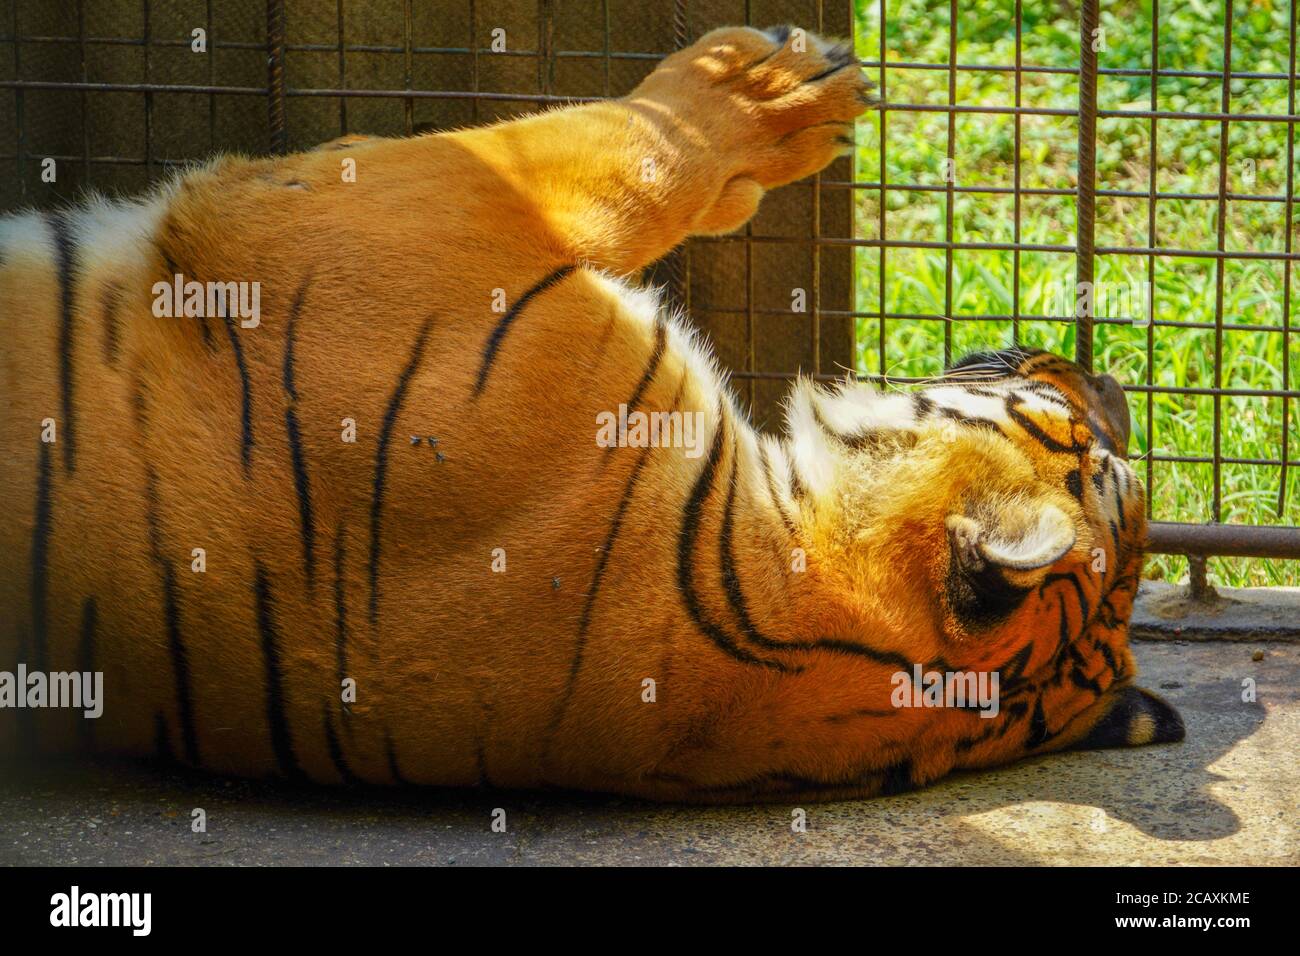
(1032, 429)
(1016, 666)
(168, 262)
(864, 440)
(686, 538)
(301, 482)
(971, 421)
(64, 256)
(41, 529)
(858, 714)
(1046, 390)
(1000, 361)
(1109, 656)
(171, 619)
(1084, 682)
(170, 593)
(797, 490)
(1074, 483)
(340, 605)
(393, 767)
(897, 779)
(245, 399)
(381, 463)
(593, 590)
(336, 749)
(277, 722)
(86, 664)
(1119, 508)
(727, 558)
(1085, 609)
(771, 490)
(1064, 635)
(503, 326)
(112, 302)
(661, 338)
(1037, 726)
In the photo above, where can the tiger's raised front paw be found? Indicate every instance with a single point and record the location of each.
(768, 106)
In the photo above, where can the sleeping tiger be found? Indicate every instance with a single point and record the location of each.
(369, 520)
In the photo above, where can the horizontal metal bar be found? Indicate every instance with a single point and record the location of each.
(101, 87)
(1205, 459)
(263, 91)
(445, 95)
(90, 87)
(704, 306)
(1162, 252)
(1207, 116)
(335, 48)
(1037, 191)
(1071, 70)
(635, 55)
(1143, 389)
(103, 160)
(1227, 540)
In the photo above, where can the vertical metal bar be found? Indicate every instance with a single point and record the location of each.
(275, 75)
(545, 38)
(677, 263)
(85, 78)
(19, 118)
(951, 178)
(1086, 195)
(1286, 266)
(148, 98)
(1015, 253)
(884, 188)
(816, 246)
(1221, 266)
(750, 364)
(473, 55)
(1152, 191)
(604, 9)
(408, 66)
(212, 79)
(343, 70)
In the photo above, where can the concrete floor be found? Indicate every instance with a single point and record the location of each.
(1228, 795)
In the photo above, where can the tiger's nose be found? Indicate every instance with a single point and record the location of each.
(1115, 407)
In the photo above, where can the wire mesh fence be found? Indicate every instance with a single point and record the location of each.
(1026, 181)
(1106, 180)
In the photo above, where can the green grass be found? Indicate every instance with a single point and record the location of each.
(1185, 288)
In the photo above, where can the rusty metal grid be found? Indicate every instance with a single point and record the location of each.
(276, 91)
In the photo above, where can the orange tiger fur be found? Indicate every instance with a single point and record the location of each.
(956, 529)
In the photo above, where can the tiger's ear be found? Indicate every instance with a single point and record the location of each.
(1132, 717)
(1011, 536)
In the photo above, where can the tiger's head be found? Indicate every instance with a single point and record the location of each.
(991, 521)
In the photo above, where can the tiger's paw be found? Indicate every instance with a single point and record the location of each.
(768, 107)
